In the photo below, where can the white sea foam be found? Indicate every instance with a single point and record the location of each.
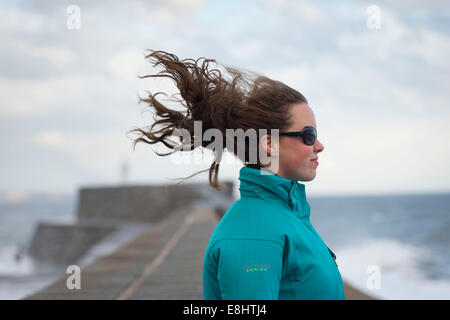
(401, 276)
(14, 262)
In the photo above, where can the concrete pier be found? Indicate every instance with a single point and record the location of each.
(163, 263)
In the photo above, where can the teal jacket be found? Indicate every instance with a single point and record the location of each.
(265, 247)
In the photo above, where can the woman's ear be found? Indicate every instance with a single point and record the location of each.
(269, 153)
(270, 146)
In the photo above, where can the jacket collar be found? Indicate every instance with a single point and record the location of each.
(265, 184)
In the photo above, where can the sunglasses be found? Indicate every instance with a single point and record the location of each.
(308, 134)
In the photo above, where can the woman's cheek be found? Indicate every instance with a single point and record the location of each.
(295, 157)
(303, 157)
(296, 160)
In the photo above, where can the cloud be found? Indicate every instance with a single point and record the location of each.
(388, 155)
(15, 21)
(125, 63)
(362, 90)
(186, 4)
(31, 97)
(50, 138)
(310, 13)
(246, 50)
(411, 2)
(396, 39)
(433, 47)
(89, 149)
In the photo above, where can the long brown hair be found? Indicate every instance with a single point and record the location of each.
(245, 101)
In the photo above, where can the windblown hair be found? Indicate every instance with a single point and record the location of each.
(244, 101)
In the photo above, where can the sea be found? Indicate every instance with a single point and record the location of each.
(389, 246)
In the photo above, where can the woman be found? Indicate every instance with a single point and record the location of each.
(264, 247)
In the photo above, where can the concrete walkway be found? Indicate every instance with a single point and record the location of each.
(165, 262)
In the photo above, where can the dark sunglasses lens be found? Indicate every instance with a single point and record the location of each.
(309, 138)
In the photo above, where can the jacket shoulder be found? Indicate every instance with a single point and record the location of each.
(253, 219)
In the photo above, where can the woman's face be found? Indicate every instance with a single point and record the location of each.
(295, 156)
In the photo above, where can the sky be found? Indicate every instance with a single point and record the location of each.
(375, 73)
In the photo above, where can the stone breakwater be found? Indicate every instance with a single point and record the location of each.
(102, 211)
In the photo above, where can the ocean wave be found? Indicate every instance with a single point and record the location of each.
(14, 261)
(390, 269)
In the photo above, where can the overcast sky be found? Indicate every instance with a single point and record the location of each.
(379, 88)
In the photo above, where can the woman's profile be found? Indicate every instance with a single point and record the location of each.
(265, 246)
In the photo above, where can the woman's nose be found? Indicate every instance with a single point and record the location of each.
(318, 146)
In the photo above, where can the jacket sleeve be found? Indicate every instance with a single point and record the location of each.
(250, 269)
